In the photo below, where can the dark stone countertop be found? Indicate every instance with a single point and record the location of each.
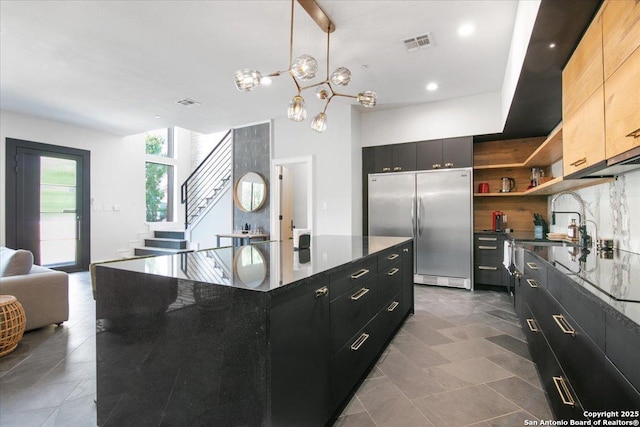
(262, 266)
(613, 283)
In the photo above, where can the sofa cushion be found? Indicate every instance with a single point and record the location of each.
(15, 262)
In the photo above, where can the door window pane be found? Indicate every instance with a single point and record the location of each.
(159, 192)
(58, 217)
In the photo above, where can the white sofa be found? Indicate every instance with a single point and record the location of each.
(43, 293)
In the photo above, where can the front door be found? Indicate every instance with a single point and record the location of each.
(48, 203)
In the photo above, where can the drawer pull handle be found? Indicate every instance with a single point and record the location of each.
(359, 274)
(322, 292)
(393, 271)
(436, 166)
(532, 325)
(358, 343)
(405, 250)
(563, 391)
(532, 283)
(362, 292)
(397, 168)
(488, 248)
(486, 267)
(579, 162)
(564, 325)
(393, 306)
(532, 266)
(635, 133)
(392, 256)
(448, 165)
(488, 239)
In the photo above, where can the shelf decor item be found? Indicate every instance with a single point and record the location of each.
(304, 68)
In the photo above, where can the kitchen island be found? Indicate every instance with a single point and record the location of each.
(260, 334)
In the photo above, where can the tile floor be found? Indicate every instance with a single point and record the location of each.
(461, 360)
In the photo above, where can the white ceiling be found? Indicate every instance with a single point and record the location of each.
(115, 65)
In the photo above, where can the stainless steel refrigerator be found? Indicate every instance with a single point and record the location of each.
(435, 208)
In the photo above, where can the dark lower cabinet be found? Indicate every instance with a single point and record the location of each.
(587, 360)
(300, 343)
(488, 251)
(407, 276)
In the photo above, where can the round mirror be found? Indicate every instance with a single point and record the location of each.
(250, 192)
(250, 266)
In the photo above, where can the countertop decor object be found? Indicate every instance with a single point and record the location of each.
(12, 323)
(304, 68)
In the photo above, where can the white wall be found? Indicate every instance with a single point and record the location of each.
(474, 115)
(217, 221)
(334, 180)
(117, 176)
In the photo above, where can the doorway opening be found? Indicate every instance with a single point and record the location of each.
(291, 196)
(47, 204)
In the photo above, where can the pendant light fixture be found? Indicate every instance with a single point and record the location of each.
(305, 68)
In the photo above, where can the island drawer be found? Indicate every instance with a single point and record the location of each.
(389, 283)
(348, 365)
(351, 276)
(351, 311)
(389, 257)
(535, 268)
(391, 315)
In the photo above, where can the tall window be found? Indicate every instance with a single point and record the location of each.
(159, 175)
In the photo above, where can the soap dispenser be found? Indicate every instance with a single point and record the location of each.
(572, 231)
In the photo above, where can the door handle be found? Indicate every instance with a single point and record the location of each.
(448, 165)
(563, 391)
(488, 248)
(413, 217)
(532, 283)
(393, 306)
(392, 257)
(358, 274)
(564, 325)
(362, 292)
(79, 225)
(322, 292)
(579, 162)
(532, 325)
(393, 271)
(358, 343)
(419, 217)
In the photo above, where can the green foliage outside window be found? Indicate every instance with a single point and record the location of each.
(155, 172)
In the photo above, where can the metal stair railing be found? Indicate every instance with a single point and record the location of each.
(207, 180)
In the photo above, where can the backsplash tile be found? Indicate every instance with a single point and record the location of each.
(615, 208)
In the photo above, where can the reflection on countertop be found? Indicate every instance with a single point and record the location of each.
(262, 266)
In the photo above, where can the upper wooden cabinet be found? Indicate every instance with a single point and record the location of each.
(622, 106)
(445, 153)
(583, 74)
(620, 32)
(584, 142)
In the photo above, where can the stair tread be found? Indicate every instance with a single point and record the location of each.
(167, 250)
(166, 239)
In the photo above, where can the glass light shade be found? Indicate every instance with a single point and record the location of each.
(322, 93)
(319, 123)
(341, 76)
(247, 79)
(368, 99)
(304, 67)
(296, 111)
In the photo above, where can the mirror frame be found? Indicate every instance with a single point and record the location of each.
(236, 199)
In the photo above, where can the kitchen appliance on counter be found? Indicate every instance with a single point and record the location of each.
(498, 221)
(508, 184)
(536, 175)
(435, 208)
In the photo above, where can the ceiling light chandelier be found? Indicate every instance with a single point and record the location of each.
(304, 68)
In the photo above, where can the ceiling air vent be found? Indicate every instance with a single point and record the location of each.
(423, 41)
(187, 102)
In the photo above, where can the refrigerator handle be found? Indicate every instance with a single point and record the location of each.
(413, 217)
(419, 216)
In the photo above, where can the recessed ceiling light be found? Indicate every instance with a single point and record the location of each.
(552, 45)
(465, 30)
(157, 116)
(265, 81)
(432, 86)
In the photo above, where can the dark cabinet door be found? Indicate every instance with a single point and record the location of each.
(368, 160)
(383, 158)
(457, 152)
(429, 155)
(300, 345)
(404, 157)
(407, 277)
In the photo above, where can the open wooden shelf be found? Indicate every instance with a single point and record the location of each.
(554, 186)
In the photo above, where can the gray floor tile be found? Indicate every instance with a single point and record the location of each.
(508, 316)
(425, 334)
(419, 353)
(412, 381)
(31, 418)
(508, 328)
(515, 419)
(362, 419)
(80, 412)
(460, 333)
(468, 349)
(512, 344)
(465, 406)
(354, 407)
(431, 320)
(468, 319)
(40, 397)
(528, 397)
(520, 366)
(475, 371)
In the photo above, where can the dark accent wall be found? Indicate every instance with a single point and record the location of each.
(251, 153)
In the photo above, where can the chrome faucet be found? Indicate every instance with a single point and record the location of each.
(585, 239)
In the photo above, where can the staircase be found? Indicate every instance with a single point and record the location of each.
(207, 183)
(164, 243)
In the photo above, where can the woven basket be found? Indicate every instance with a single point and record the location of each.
(12, 323)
